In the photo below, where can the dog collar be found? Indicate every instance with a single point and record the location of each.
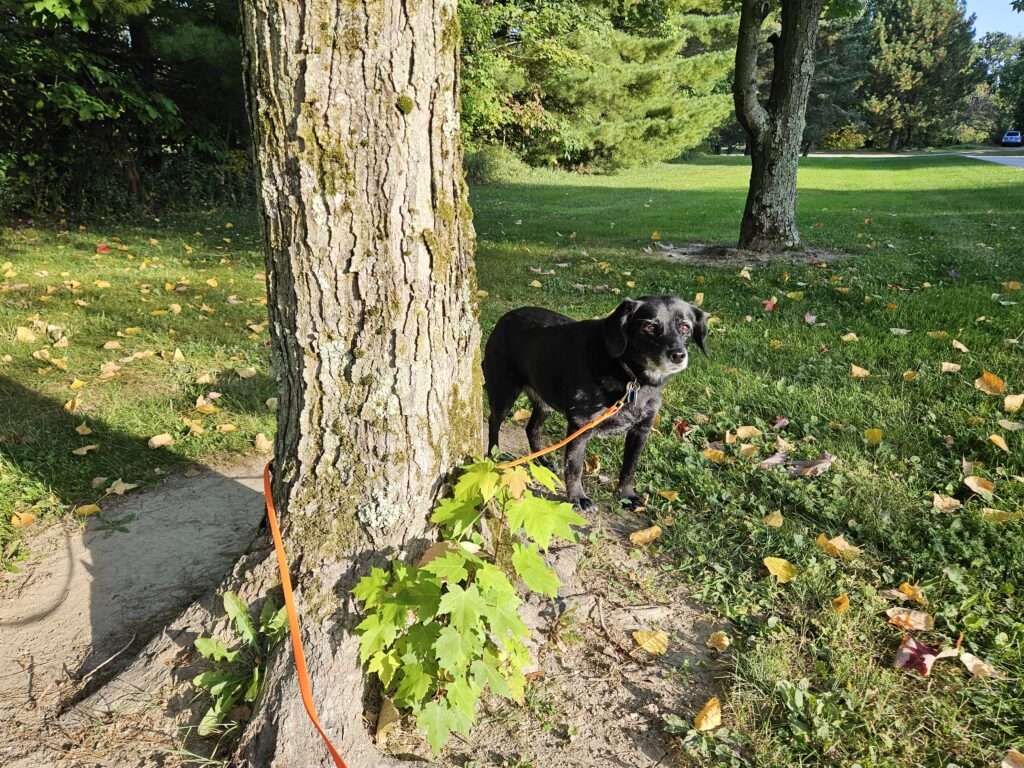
(632, 386)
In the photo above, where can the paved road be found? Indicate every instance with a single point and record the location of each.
(1013, 161)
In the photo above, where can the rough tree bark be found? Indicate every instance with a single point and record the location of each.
(775, 129)
(354, 114)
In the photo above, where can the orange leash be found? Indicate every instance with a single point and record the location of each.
(631, 389)
(293, 621)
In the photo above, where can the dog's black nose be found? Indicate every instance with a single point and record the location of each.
(678, 356)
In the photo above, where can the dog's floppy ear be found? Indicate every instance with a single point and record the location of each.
(700, 327)
(614, 327)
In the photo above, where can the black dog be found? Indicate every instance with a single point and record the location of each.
(581, 368)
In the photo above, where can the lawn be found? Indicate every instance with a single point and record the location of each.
(934, 250)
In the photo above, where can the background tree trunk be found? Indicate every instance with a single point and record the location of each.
(353, 108)
(775, 131)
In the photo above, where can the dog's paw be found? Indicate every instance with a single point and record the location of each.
(583, 503)
(631, 501)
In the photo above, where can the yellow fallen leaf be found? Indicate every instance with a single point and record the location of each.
(1000, 516)
(120, 487)
(1013, 403)
(856, 372)
(908, 618)
(655, 235)
(133, 330)
(654, 641)
(714, 455)
(773, 519)
(87, 509)
(979, 485)
(160, 441)
(841, 603)
(112, 344)
(246, 373)
(388, 718)
(263, 443)
(178, 356)
(204, 406)
(795, 295)
(909, 375)
(24, 335)
(226, 427)
(950, 368)
(989, 383)
(175, 309)
(710, 715)
(837, 546)
(645, 535)
(71, 406)
(536, 284)
(22, 519)
(913, 592)
(669, 495)
(775, 344)
(938, 335)
(748, 450)
(698, 299)
(873, 436)
(212, 282)
(944, 503)
(1011, 285)
(271, 403)
(83, 429)
(747, 433)
(718, 640)
(101, 283)
(849, 337)
(780, 568)
(999, 442)
(745, 273)
(85, 449)
(76, 384)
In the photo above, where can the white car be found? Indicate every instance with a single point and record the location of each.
(1012, 139)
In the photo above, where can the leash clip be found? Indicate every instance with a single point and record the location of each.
(632, 390)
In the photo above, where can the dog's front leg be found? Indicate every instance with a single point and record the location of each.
(636, 438)
(575, 456)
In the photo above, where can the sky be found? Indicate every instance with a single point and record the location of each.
(995, 16)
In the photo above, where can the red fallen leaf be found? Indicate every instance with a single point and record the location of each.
(781, 422)
(915, 655)
(769, 304)
(682, 427)
(102, 248)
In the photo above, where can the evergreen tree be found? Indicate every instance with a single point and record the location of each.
(923, 69)
(1002, 56)
(841, 66)
(602, 85)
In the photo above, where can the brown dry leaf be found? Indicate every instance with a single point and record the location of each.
(945, 503)
(24, 335)
(849, 337)
(719, 640)
(645, 535)
(710, 715)
(856, 372)
(774, 519)
(780, 568)
(714, 455)
(386, 720)
(978, 667)
(160, 441)
(730, 437)
(669, 495)
(112, 345)
(71, 406)
(85, 449)
(226, 427)
(204, 378)
(959, 347)
(108, 370)
(99, 482)
(908, 618)
(516, 480)
(1013, 403)
(747, 432)
(263, 443)
(838, 546)
(120, 487)
(654, 641)
(950, 368)
(913, 592)
(83, 429)
(1013, 759)
(811, 468)
(979, 485)
(841, 603)
(1012, 426)
(204, 406)
(989, 383)
(999, 442)
(873, 436)
(22, 519)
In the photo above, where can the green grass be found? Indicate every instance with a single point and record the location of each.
(930, 239)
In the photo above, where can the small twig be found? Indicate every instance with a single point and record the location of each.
(612, 640)
(85, 679)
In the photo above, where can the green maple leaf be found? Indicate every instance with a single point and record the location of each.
(418, 643)
(534, 572)
(462, 697)
(450, 567)
(485, 673)
(414, 685)
(385, 664)
(478, 482)
(544, 476)
(454, 649)
(493, 581)
(435, 721)
(420, 592)
(372, 588)
(463, 605)
(542, 519)
(374, 635)
(503, 617)
(460, 515)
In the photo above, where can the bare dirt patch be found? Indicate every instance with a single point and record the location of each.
(705, 254)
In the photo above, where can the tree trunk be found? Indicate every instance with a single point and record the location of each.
(353, 109)
(774, 130)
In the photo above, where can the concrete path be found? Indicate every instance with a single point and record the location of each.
(1010, 160)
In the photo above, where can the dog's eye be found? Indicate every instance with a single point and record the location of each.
(649, 327)
(684, 327)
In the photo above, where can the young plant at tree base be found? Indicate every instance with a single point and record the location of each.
(439, 633)
(238, 674)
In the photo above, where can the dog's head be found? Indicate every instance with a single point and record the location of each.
(652, 334)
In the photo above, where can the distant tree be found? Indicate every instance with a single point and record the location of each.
(1002, 56)
(603, 84)
(841, 66)
(923, 70)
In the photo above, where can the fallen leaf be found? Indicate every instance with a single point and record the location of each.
(747, 433)
(101, 284)
(536, 284)
(83, 429)
(999, 516)
(748, 451)
(795, 295)
(227, 427)
(669, 495)
(838, 546)
(773, 519)
(979, 485)
(24, 335)
(908, 618)
(87, 509)
(909, 375)
(944, 503)
(718, 640)
(263, 443)
(841, 603)
(856, 372)
(769, 304)
(999, 442)
(386, 720)
(698, 299)
(645, 535)
(178, 356)
(212, 282)
(849, 337)
(1013, 759)
(71, 406)
(654, 641)
(246, 373)
(938, 335)
(899, 331)
(873, 436)
(1012, 426)
(989, 383)
(950, 368)
(160, 441)
(85, 449)
(781, 569)
(959, 347)
(745, 273)
(112, 344)
(810, 318)
(812, 467)
(22, 519)
(775, 460)
(120, 487)
(913, 592)
(775, 344)
(977, 667)
(710, 715)
(714, 455)
(914, 655)
(1013, 403)
(1011, 285)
